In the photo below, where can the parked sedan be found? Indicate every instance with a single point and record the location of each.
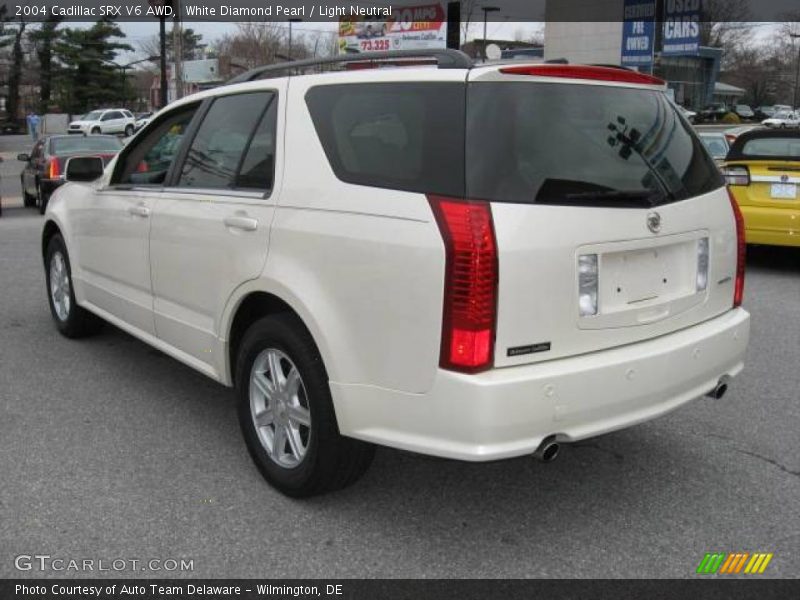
(762, 172)
(44, 166)
(783, 120)
(744, 111)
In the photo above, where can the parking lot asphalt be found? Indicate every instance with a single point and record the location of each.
(109, 449)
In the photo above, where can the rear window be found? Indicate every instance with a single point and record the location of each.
(90, 143)
(393, 135)
(566, 144)
(778, 147)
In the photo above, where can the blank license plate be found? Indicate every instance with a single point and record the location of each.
(784, 190)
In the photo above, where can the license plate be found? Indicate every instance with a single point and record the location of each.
(784, 190)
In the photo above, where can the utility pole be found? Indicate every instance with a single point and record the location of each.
(797, 71)
(177, 50)
(162, 39)
(293, 20)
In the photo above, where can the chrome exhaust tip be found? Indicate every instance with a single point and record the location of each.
(548, 450)
(720, 389)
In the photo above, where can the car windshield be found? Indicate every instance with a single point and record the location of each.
(561, 145)
(90, 143)
(715, 144)
(92, 116)
(784, 114)
(782, 147)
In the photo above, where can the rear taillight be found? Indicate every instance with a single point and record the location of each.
(614, 74)
(741, 248)
(53, 169)
(470, 287)
(736, 175)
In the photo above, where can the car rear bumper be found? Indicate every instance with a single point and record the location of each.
(508, 412)
(778, 226)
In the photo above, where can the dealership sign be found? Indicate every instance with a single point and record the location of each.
(682, 27)
(638, 33)
(409, 28)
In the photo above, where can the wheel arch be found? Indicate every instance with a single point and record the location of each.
(50, 229)
(250, 306)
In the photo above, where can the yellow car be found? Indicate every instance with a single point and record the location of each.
(762, 169)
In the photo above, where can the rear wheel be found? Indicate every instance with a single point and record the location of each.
(28, 200)
(286, 412)
(128, 130)
(41, 198)
(71, 320)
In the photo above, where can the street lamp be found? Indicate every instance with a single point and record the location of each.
(123, 69)
(797, 71)
(486, 10)
(293, 20)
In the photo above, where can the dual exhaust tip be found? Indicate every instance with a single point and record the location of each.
(549, 449)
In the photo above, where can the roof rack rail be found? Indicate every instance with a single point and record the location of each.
(445, 58)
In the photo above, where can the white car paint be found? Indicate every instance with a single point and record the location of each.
(363, 268)
(783, 119)
(112, 120)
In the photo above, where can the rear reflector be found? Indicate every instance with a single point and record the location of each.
(470, 287)
(585, 72)
(741, 249)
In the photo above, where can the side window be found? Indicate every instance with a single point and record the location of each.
(148, 160)
(107, 116)
(404, 136)
(222, 140)
(258, 165)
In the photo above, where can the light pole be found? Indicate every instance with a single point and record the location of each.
(294, 20)
(123, 69)
(797, 71)
(486, 10)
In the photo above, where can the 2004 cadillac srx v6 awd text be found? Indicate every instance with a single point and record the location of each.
(469, 261)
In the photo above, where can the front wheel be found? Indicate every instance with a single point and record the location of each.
(286, 412)
(96, 130)
(71, 320)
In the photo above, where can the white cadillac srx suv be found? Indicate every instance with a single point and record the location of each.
(469, 261)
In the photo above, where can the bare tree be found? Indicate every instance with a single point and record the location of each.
(726, 24)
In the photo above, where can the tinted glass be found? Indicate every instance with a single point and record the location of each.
(92, 116)
(148, 159)
(393, 135)
(259, 161)
(214, 156)
(563, 144)
(90, 143)
(781, 147)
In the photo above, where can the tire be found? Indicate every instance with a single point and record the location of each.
(96, 130)
(28, 200)
(41, 199)
(71, 320)
(128, 130)
(317, 459)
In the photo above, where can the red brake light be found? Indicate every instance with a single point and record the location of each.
(741, 249)
(470, 290)
(584, 72)
(53, 169)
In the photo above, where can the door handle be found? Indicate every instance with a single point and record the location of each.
(140, 210)
(243, 223)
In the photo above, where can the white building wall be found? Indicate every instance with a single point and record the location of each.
(583, 41)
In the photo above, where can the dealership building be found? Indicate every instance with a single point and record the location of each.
(661, 37)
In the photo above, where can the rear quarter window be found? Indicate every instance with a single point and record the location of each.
(405, 136)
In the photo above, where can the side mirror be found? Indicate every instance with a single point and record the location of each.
(23, 157)
(83, 168)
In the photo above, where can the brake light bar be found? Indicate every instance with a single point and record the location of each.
(585, 72)
(469, 315)
(741, 249)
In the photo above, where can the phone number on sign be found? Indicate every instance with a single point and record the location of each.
(71, 10)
